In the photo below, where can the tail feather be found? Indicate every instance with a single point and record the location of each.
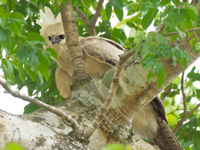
(165, 138)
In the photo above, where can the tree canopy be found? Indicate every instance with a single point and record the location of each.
(176, 26)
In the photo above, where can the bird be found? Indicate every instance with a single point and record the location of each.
(149, 123)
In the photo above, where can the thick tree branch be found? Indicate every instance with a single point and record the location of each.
(72, 40)
(112, 91)
(184, 118)
(41, 104)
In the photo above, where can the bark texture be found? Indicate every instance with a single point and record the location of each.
(72, 41)
(44, 130)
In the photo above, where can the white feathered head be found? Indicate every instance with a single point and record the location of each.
(51, 27)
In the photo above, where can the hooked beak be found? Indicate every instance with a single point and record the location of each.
(56, 39)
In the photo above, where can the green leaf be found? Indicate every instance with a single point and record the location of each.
(150, 75)
(52, 53)
(148, 18)
(20, 69)
(146, 49)
(8, 70)
(118, 8)
(181, 33)
(35, 38)
(3, 35)
(3, 13)
(116, 3)
(164, 2)
(172, 119)
(22, 53)
(119, 13)
(33, 61)
(176, 2)
(116, 147)
(44, 64)
(18, 17)
(161, 77)
(184, 59)
(193, 75)
(148, 62)
(30, 108)
(14, 146)
(30, 72)
(15, 28)
(108, 10)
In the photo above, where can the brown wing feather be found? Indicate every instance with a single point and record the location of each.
(159, 108)
(165, 138)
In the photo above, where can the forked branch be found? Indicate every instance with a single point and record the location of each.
(184, 118)
(41, 104)
(91, 23)
(185, 113)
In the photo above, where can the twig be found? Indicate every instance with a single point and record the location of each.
(185, 113)
(85, 19)
(91, 24)
(178, 125)
(183, 94)
(97, 13)
(167, 91)
(197, 35)
(161, 28)
(190, 30)
(41, 104)
(112, 91)
(173, 111)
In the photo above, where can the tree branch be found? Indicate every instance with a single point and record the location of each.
(183, 94)
(190, 30)
(41, 104)
(91, 24)
(112, 91)
(72, 40)
(165, 93)
(177, 108)
(184, 118)
(96, 15)
(161, 28)
(85, 19)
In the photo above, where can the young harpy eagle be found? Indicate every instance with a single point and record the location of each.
(101, 54)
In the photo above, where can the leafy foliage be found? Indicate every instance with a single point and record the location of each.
(25, 63)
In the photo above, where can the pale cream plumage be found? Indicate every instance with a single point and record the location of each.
(98, 52)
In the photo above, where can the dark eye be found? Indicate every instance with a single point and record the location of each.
(49, 37)
(62, 36)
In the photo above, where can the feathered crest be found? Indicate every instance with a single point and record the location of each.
(47, 18)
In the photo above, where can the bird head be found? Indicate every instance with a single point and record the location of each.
(51, 27)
